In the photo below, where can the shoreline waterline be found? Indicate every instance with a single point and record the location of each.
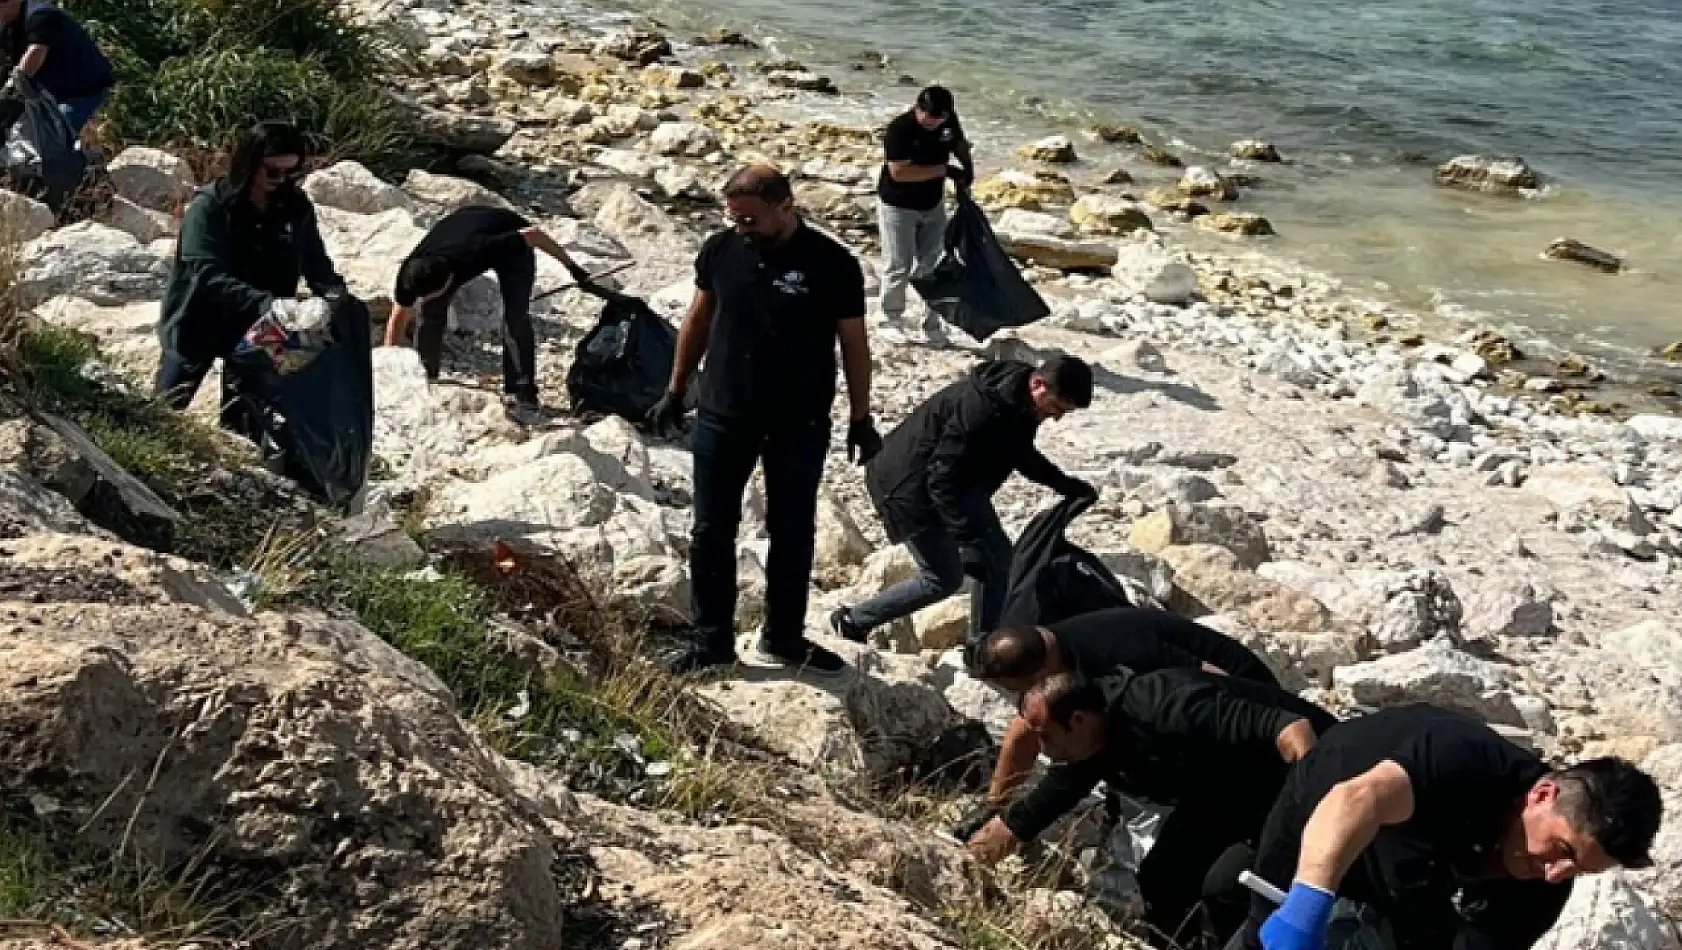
(1377, 226)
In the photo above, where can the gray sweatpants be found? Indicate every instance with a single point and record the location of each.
(911, 246)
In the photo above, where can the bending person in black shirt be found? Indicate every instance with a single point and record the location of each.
(1092, 645)
(773, 296)
(464, 244)
(1455, 837)
(1214, 748)
(39, 40)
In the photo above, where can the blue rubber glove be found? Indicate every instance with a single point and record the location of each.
(1300, 922)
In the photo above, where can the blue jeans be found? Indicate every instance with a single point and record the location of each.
(79, 111)
(940, 572)
(725, 452)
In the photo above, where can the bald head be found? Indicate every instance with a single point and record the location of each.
(760, 202)
(1014, 658)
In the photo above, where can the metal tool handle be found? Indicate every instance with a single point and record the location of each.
(1262, 887)
(626, 265)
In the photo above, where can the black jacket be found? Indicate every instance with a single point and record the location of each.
(966, 438)
(1178, 737)
(231, 261)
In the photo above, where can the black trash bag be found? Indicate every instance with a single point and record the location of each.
(315, 426)
(42, 154)
(1051, 578)
(976, 286)
(623, 365)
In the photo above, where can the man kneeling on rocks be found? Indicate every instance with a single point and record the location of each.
(464, 244)
(934, 480)
(1093, 644)
(1216, 749)
(1450, 836)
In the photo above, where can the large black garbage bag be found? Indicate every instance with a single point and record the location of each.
(43, 157)
(623, 365)
(314, 425)
(1051, 578)
(976, 286)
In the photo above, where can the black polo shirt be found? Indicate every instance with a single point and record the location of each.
(771, 348)
(75, 67)
(1467, 784)
(908, 141)
(474, 240)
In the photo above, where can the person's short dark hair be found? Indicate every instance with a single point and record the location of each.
(1615, 803)
(1069, 378)
(936, 100)
(263, 140)
(1065, 694)
(420, 276)
(759, 181)
(1012, 653)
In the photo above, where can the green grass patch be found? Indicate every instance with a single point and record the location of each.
(53, 878)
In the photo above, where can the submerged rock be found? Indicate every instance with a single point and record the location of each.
(1206, 183)
(1117, 134)
(1055, 148)
(1491, 173)
(1255, 150)
(1246, 223)
(1569, 249)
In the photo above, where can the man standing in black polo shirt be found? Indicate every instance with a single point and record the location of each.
(911, 191)
(772, 298)
(1453, 837)
(1216, 749)
(464, 244)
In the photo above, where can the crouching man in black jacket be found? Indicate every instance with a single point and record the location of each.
(934, 480)
(1214, 748)
(1452, 837)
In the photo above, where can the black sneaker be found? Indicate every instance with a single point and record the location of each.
(973, 822)
(841, 621)
(523, 409)
(697, 658)
(803, 656)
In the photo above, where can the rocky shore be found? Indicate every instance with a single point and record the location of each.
(1385, 517)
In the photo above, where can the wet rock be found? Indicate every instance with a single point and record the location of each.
(1200, 182)
(1494, 348)
(1255, 150)
(26, 219)
(1502, 174)
(1157, 156)
(1170, 199)
(720, 36)
(101, 264)
(1029, 191)
(1671, 352)
(1507, 609)
(151, 178)
(1116, 176)
(803, 80)
(1056, 149)
(1438, 674)
(1108, 214)
(638, 46)
(1154, 274)
(1117, 134)
(1567, 249)
(1246, 223)
(349, 186)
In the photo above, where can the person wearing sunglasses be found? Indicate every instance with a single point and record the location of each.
(247, 238)
(43, 42)
(774, 297)
(911, 194)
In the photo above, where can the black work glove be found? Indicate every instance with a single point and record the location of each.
(960, 175)
(971, 823)
(862, 441)
(974, 561)
(1077, 488)
(667, 414)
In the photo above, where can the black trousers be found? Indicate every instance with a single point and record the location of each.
(519, 343)
(1189, 879)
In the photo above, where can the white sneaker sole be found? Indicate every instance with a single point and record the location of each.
(771, 659)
